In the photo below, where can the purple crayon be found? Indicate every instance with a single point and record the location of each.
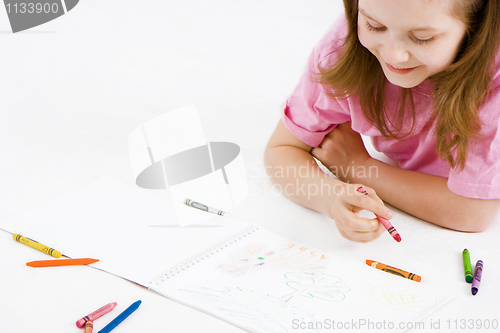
(478, 272)
(96, 314)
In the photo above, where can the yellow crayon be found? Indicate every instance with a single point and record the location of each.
(37, 246)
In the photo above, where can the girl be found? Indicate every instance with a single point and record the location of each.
(422, 79)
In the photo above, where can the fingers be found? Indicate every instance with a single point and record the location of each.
(325, 150)
(356, 228)
(357, 236)
(316, 152)
(353, 222)
(370, 202)
(371, 193)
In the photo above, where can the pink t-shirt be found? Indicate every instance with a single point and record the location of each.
(310, 115)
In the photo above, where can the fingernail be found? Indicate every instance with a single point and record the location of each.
(388, 214)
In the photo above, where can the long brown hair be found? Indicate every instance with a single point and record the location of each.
(459, 90)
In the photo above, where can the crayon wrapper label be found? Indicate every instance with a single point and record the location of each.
(479, 273)
(199, 206)
(24, 241)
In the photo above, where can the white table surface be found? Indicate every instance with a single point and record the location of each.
(73, 89)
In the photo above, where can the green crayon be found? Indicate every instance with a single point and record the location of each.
(467, 266)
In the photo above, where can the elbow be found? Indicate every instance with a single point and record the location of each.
(272, 163)
(474, 215)
(475, 226)
(266, 157)
(475, 223)
(268, 161)
(269, 156)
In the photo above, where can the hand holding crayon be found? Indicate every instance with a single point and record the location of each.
(385, 222)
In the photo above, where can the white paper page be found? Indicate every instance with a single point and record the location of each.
(133, 233)
(267, 283)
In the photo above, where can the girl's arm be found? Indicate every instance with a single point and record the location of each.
(422, 195)
(428, 198)
(284, 156)
(291, 167)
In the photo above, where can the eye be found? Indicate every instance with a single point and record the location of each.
(420, 41)
(372, 28)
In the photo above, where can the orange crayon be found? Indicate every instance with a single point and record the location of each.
(393, 270)
(61, 262)
(89, 326)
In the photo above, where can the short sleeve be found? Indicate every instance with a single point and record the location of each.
(309, 113)
(480, 178)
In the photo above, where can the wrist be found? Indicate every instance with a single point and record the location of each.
(336, 188)
(364, 173)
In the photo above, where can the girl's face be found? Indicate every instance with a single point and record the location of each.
(412, 39)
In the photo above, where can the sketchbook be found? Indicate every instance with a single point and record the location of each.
(263, 282)
(237, 271)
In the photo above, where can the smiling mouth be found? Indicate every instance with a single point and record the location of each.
(400, 70)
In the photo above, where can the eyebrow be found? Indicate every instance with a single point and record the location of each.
(415, 29)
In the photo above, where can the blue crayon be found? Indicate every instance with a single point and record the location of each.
(478, 272)
(121, 317)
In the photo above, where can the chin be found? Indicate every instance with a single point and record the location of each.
(407, 86)
(410, 83)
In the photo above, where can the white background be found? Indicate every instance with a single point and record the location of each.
(73, 89)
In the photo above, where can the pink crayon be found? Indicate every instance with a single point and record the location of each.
(96, 314)
(385, 222)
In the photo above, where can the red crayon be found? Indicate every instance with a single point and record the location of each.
(385, 222)
(96, 314)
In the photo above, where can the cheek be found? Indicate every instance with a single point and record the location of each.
(436, 58)
(447, 55)
(368, 40)
(441, 54)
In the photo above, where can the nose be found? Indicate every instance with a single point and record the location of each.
(396, 51)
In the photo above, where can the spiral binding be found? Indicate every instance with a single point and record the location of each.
(203, 255)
